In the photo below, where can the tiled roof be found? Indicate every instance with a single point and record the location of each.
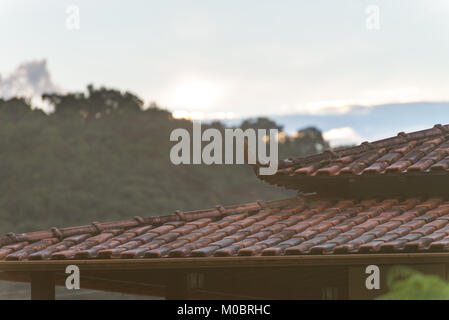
(319, 224)
(297, 226)
(421, 152)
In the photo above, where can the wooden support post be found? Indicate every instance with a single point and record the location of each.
(177, 287)
(42, 285)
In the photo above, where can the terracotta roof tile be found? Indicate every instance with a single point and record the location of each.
(297, 226)
(420, 152)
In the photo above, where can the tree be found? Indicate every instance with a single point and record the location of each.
(260, 123)
(408, 284)
(95, 104)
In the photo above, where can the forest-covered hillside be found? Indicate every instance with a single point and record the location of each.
(102, 155)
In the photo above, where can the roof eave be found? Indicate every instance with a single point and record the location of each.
(227, 262)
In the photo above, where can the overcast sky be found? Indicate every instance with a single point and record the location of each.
(245, 57)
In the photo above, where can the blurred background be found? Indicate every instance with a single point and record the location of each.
(90, 91)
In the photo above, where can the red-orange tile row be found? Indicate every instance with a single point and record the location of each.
(417, 152)
(308, 227)
(414, 156)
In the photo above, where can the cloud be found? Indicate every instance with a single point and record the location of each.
(30, 79)
(342, 136)
(371, 99)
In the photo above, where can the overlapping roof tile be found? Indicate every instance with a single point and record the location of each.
(297, 226)
(420, 152)
(320, 224)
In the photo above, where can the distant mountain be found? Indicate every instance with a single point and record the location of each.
(367, 123)
(375, 122)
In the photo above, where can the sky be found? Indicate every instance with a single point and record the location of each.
(234, 58)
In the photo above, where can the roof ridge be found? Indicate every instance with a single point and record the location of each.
(437, 130)
(96, 227)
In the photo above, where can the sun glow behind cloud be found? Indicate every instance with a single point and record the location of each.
(196, 94)
(195, 98)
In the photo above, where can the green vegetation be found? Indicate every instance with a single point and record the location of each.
(408, 284)
(102, 156)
